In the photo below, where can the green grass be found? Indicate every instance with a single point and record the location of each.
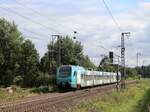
(132, 99)
(19, 93)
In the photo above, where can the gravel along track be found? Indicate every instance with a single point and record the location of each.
(55, 102)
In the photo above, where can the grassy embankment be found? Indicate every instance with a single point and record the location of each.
(133, 99)
(19, 93)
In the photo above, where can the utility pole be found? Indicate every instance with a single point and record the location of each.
(51, 56)
(143, 71)
(58, 37)
(137, 62)
(137, 58)
(123, 72)
(118, 74)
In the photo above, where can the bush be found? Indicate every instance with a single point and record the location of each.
(41, 89)
(131, 73)
(18, 80)
(45, 79)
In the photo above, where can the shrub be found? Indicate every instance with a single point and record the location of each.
(45, 79)
(41, 89)
(18, 80)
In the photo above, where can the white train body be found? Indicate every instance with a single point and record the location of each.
(94, 78)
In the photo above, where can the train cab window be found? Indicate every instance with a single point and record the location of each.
(65, 71)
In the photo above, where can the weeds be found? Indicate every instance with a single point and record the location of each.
(132, 99)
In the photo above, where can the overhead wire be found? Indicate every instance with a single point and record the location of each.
(108, 50)
(28, 19)
(111, 15)
(32, 37)
(40, 14)
(115, 22)
(35, 33)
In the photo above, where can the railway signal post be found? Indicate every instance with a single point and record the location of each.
(123, 72)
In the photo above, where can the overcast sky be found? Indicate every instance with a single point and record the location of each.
(90, 19)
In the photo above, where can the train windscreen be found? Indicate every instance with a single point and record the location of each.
(65, 71)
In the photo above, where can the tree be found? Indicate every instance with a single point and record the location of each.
(10, 46)
(44, 63)
(71, 51)
(144, 71)
(86, 62)
(106, 65)
(19, 60)
(29, 63)
(71, 54)
(131, 72)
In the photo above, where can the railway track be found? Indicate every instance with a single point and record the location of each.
(58, 102)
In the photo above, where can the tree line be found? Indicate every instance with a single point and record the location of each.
(21, 64)
(144, 71)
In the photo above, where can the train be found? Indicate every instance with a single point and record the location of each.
(77, 77)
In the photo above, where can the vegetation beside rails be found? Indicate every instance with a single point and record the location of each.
(133, 99)
(145, 102)
(18, 93)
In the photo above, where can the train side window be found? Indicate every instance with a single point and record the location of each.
(81, 76)
(75, 73)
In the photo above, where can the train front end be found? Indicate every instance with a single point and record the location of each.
(65, 77)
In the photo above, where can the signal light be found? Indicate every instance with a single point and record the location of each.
(111, 56)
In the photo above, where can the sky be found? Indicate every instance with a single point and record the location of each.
(39, 19)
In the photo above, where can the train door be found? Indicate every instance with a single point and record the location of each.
(78, 79)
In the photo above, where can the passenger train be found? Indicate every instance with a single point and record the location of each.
(78, 77)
